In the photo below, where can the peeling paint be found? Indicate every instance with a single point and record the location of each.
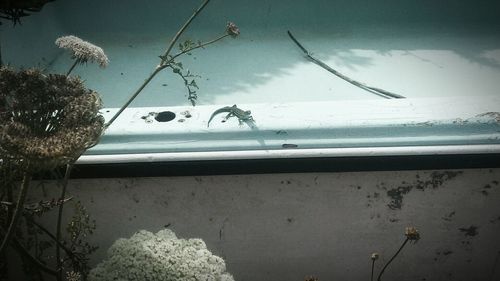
(495, 220)
(460, 121)
(493, 116)
(372, 198)
(449, 216)
(435, 180)
(396, 195)
(469, 231)
(444, 254)
(487, 187)
(428, 123)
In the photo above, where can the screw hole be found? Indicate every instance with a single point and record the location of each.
(165, 116)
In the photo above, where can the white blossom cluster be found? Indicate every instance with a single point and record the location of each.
(83, 51)
(161, 256)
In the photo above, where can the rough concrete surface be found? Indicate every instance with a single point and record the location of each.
(287, 226)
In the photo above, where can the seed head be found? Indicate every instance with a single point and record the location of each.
(73, 276)
(232, 29)
(46, 120)
(411, 233)
(83, 51)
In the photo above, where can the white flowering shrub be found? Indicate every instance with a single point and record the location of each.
(161, 256)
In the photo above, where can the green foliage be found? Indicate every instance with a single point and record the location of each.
(79, 228)
(188, 45)
(188, 78)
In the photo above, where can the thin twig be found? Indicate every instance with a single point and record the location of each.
(183, 28)
(373, 90)
(18, 211)
(196, 47)
(10, 198)
(72, 67)
(373, 266)
(393, 257)
(18, 246)
(163, 63)
(34, 207)
(132, 98)
(59, 220)
(1, 61)
(52, 236)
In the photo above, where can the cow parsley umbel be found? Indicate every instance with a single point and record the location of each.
(160, 257)
(82, 51)
(46, 120)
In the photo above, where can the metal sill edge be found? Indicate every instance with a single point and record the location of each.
(291, 153)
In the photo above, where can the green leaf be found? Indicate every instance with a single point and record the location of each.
(193, 84)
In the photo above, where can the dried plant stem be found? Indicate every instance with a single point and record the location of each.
(18, 211)
(196, 47)
(131, 99)
(59, 221)
(18, 246)
(10, 199)
(373, 90)
(72, 67)
(373, 267)
(51, 236)
(393, 257)
(182, 29)
(7, 180)
(164, 61)
(159, 68)
(1, 61)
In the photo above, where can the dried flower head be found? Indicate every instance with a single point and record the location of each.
(411, 233)
(73, 276)
(83, 51)
(375, 256)
(232, 29)
(46, 120)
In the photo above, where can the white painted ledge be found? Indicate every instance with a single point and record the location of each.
(427, 126)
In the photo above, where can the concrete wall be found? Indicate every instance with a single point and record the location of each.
(286, 226)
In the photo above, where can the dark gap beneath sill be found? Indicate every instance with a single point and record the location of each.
(295, 165)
